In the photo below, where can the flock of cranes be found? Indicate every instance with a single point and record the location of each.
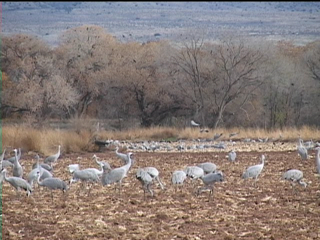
(207, 172)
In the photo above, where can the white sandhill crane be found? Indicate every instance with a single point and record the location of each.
(43, 165)
(88, 175)
(209, 180)
(6, 164)
(17, 170)
(232, 155)
(154, 174)
(100, 163)
(302, 150)
(194, 124)
(318, 159)
(254, 171)
(145, 180)
(122, 156)
(194, 172)
(208, 167)
(18, 183)
(116, 175)
(33, 174)
(294, 175)
(12, 159)
(178, 178)
(53, 184)
(53, 158)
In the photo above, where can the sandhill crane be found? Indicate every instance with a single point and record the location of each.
(233, 134)
(208, 167)
(53, 158)
(194, 124)
(217, 135)
(254, 171)
(302, 150)
(100, 163)
(33, 175)
(294, 175)
(53, 184)
(232, 156)
(116, 175)
(6, 164)
(209, 180)
(122, 156)
(178, 178)
(194, 172)
(154, 173)
(17, 170)
(318, 159)
(43, 165)
(145, 180)
(87, 175)
(18, 183)
(12, 159)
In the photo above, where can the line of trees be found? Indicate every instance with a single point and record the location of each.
(235, 82)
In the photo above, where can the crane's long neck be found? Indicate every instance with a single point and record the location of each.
(5, 175)
(128, 164)
(58, 153)
(2, 155)
(38, 180)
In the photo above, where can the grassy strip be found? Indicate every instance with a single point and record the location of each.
(45, 141)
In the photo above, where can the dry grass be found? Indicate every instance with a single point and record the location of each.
(45, 141)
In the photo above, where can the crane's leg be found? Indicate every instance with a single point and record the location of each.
(159, 181)
(51, 196)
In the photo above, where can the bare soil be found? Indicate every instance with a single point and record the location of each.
(238, 209)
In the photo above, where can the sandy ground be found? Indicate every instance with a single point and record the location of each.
(238, 209)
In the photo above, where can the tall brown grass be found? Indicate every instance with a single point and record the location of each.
(45, 141)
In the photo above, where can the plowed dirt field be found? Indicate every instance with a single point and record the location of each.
(238, 209)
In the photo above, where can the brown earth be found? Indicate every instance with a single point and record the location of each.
(238, 210)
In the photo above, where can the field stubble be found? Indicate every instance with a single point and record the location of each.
(238, 209)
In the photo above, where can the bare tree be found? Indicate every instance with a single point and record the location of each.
(141, 81)
(190, 75)
(84, 59)
(31, 83)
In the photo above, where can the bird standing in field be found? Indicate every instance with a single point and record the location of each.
(232, 156)
(178, 178)
(17, 168)
(209, 180)
(33, 174)
(53, 158)
(12, 159)
(146, 181)
(208, 167)
(154, 174)
(86, 176)
(18, 183)
(254, 171)
(53, 184)
(43, 165)
(116, 175)
(122, 156)
(294, 175)
(302, 150)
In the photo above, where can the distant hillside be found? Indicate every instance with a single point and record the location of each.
(147, 21)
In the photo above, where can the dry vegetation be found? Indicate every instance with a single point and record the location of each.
(45, 141)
